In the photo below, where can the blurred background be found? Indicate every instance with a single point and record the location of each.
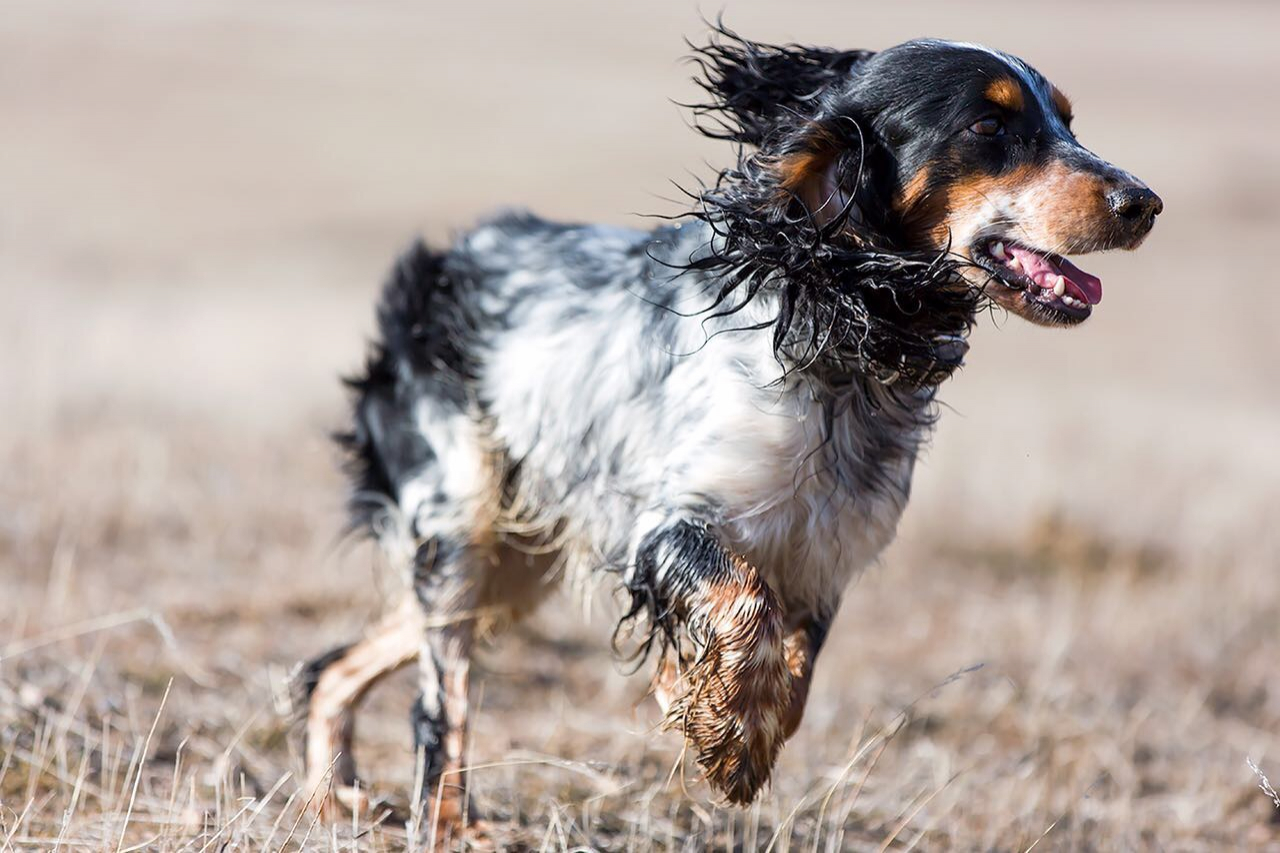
(197, 203)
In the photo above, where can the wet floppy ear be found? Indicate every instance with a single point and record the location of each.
(829, 177)
(753, 85)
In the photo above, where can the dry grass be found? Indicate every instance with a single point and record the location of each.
(1101, 696)
(1073, 646)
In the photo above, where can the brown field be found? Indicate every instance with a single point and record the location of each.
(197, 201)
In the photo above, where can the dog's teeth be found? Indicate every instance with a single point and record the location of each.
(998, 250)
(1060, 286)
(1015, 265)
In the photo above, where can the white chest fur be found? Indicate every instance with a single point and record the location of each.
(831, 499)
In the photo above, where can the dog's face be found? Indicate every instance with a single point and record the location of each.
(971, 151)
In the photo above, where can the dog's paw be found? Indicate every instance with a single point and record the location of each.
(454, 835)
(737, 695)
(451, 822)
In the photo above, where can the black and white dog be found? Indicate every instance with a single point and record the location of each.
(724, 412)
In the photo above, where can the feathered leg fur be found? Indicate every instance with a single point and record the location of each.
(732, 699)
(447, 588)
(333, 686)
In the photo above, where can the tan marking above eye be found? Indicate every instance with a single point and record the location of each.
(1005, 92)
(1062, 102)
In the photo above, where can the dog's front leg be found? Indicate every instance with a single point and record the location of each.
(734, 698)
(801, 645)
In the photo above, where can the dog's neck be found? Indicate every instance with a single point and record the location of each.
(896, 320)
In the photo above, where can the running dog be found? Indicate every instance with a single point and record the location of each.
(721, 415)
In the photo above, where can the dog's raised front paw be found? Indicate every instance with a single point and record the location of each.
(737, 694)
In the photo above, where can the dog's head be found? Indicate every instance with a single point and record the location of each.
(932, 147)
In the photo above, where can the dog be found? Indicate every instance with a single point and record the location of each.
(721, 415)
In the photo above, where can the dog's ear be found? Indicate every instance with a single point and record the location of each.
(753, 86)
(829, 169)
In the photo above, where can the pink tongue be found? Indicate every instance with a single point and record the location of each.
(1081, 285)
(1089, 286)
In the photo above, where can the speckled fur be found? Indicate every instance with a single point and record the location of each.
(718, 417)
(553, 420)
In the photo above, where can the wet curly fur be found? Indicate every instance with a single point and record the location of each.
(721, 414)
(849, 294)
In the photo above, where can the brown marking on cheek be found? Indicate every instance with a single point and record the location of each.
(1063, 207)
(962, 200)
(1054, 205)
(914, 190)
(920, 208)
(1005, 92)
(1062, 103)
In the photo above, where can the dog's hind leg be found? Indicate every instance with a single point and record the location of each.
(332, 687)
(447, 587)
(453, 502)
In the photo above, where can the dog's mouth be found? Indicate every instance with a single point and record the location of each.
(1047, 286)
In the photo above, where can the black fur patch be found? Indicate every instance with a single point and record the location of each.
(752, 84)
(669, 562)
(303, 682)
(420, 352)
(428, 741)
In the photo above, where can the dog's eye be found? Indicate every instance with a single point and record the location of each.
(987, 127)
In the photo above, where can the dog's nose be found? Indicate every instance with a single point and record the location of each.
(1136, 205)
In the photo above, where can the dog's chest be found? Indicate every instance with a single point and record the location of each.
(831, 502)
